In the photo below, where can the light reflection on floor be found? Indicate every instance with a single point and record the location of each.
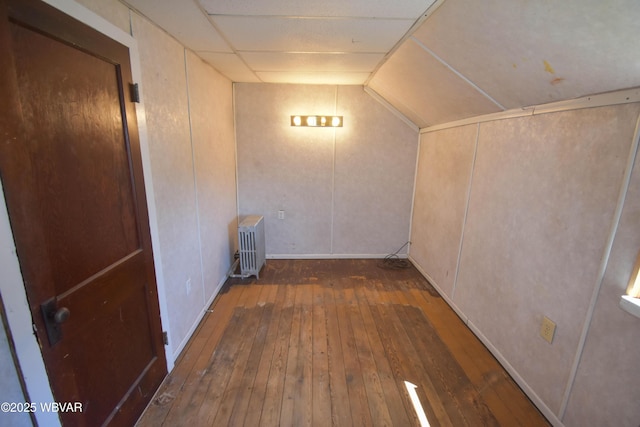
(411, 389)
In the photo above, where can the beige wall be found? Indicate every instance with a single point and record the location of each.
(191, 145)
(214, 163)
(512, 220)
(345, 191)
(608, 371)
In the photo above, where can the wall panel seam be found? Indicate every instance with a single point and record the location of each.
(195, 176)
(413, 195)
(466, 211)
(235, 148)
(333, 174)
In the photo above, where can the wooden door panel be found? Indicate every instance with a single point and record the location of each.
(117, 341)
(85, 199)
(72, 173)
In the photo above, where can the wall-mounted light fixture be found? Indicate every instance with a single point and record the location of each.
(631, 301)
(316, 121)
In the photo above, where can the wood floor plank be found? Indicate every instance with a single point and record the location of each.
(375, 395)
(252, 295)
(193, 360)
(273, 400)
(397, 401)
(319, 342)
(400, 349)
(259, 391)
(379, 382)
(264, 295)
(479, 364)
(272, 296)
(250, 372)
(438, 360)
(195, 408)
(360, 414)
(338, 390)
(321, 396)
(303, 407)
(292, 372)
(221, 397)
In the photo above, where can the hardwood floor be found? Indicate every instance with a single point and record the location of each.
(332, 342)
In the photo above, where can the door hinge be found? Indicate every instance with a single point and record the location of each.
(135, 92)
(165, 338)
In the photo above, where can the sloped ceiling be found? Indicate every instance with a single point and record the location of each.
(435, 61)
(503, 54)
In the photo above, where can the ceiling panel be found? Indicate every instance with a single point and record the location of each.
(229, 65)
(524, 52)
(282, 34)
(410, 9)
(185, 21)
(275, 61)
(427, 88)
(313, 78)
(394, 100)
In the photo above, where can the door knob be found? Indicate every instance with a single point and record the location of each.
(61, 315)
(53, 317)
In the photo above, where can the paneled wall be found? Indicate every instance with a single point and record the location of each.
(512, 222)
(344, 191)
(608, 371)
(189, 118)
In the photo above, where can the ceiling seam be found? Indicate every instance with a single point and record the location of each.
(427, 13)
(345, 72)
(310, 17)
(314, 52)
(226, 39)
(457, 73)
(138, 12)
(389, 106)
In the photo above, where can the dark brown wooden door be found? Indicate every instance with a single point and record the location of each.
(72, 175)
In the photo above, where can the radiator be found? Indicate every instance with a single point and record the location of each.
(251, 242)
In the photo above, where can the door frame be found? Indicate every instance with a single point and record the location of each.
(13, 290)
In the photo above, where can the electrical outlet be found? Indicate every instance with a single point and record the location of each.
(548, 329)
(280, 214)
(188, 285)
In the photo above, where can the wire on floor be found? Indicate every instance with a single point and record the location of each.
(394, 262)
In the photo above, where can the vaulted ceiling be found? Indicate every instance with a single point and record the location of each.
(435, 61)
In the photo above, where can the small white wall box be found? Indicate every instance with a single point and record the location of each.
(252, 245)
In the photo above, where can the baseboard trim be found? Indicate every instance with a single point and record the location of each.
(331, 256)
(199, 318)
(537, 401)
(546, 411)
